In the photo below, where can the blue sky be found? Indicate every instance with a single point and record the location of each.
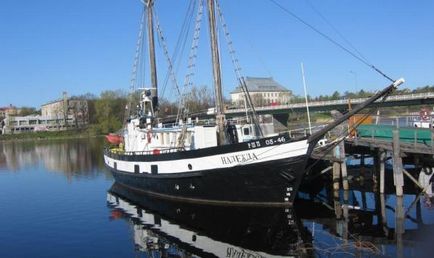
(80, 46)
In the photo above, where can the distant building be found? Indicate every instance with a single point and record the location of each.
(4, 113)
(73, 112)
(10, 110)
(263, 92)
(61, 114)
(32, 123)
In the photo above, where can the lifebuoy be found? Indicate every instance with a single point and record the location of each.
(155, 151)
(425, 114)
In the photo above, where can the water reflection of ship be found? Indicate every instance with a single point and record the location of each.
(165, 226)
(391, 225)
(71, 157)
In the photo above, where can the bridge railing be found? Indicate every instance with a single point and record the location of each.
(338, 102)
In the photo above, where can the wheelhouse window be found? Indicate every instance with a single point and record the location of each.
(246, 131)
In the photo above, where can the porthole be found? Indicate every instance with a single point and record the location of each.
(190, 166)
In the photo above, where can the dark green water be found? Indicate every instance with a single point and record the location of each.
(58, 200)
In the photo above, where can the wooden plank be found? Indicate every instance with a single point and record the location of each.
(418, 148)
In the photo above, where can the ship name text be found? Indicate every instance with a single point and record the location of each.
(239, 158)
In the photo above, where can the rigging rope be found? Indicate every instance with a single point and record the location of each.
(330, 39)
(136, 64)
(337, 31)
(180, 43)
(191, 61)
(237, 69)
(162, 43)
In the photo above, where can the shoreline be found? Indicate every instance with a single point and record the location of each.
(48, 136)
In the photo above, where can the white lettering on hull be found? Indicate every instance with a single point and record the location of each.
(239, 159)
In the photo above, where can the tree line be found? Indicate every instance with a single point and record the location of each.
(109, 111)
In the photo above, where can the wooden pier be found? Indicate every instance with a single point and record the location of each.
(383, 143)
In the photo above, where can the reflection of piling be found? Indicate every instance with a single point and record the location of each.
(345, 213)
(362, 164)
(383, 214)
(399, 226)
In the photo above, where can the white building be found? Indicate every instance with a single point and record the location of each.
(263, 92)
(57, 115)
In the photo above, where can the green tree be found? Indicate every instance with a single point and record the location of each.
(25, 111)
(336, 95)
(110, 111)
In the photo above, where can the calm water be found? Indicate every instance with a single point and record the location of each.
(58, 200)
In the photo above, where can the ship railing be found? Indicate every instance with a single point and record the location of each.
(304, 131)
(191, 123)
(117, 151)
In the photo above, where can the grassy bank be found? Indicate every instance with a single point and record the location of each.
(52, 135)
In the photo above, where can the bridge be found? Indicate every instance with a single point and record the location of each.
(341, 104)
(281, 112)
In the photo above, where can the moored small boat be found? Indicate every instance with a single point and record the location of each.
(115, 139)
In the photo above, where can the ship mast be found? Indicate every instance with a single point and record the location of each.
(149, 12)
(220, 115)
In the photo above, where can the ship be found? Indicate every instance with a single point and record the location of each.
(217, 162)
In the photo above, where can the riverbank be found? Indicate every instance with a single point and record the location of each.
(51, 135)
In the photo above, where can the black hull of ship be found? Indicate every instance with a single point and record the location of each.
(272, 183)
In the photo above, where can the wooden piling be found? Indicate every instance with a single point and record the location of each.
(383, 214)
(398, 175)
(382, 161)
(376, 171)
(337, 205)
(343, 159)
(336, 168)
(336, 175)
